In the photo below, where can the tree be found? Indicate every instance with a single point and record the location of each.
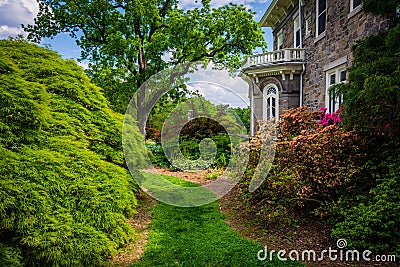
(65, 191)
(125, 40)
(387, 8)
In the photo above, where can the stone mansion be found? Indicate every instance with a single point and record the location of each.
(311, 52)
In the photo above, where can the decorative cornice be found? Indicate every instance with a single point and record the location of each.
(293, 68)
(276, 10)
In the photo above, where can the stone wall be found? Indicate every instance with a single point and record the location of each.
(289, 94)
(343, 29)
(286, 27)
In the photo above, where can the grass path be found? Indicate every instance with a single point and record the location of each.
(198, 237)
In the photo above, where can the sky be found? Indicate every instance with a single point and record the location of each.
(13, 13)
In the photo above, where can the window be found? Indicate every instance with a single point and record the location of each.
(354, 4)
(297, 32)
(333, 100)
(271, 102)
(398, 11)
(308, 26)
(280, 42)
(321, 16)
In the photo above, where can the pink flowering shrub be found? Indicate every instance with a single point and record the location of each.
(326, 119)
(313, 165)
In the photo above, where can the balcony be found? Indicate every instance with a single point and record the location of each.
(280, 56)
(288, 61)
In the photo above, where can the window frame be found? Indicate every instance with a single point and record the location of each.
(318, 15)
(308, 26)
(334, 104)
(268, 97)
(279, 41)
(352, 5)
(296, 26)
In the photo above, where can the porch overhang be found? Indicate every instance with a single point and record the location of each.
(275, 12)
(282, 62)
(274, 69)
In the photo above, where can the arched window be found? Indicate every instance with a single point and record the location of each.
(271, 102)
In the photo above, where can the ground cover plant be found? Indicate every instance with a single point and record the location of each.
(65, 191)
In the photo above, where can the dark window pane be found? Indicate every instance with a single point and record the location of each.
(297, 38)
(343, 76)
(333, 79)
(333, 104)
(321, 6)
(271, 90)
(321, 23)
(356, 3)
(273, 107)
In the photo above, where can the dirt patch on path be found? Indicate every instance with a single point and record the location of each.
(198, 177)
(140, 224)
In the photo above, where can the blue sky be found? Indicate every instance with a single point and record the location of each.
(13, 13)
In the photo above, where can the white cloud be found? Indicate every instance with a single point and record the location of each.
(84, 64)
(219, 86)
(6, 31)
(14, 13)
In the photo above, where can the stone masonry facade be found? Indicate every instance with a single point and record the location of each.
(331, 48)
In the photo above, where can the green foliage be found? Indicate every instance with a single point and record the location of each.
(385, 8)
(125, 40)
(190, 148)
(372, 95)
(160, 112)
(244, 115)
(367, 215)
(156, 154)
(10, 256)
(198, 237)
(371, 221)
(65, 192)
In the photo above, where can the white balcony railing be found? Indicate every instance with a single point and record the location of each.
(279, 56)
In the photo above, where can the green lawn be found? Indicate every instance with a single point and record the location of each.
(198, 237)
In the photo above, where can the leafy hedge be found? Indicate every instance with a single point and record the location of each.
(65, 192)
(369, 218)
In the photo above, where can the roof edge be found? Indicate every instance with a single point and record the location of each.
(275, 11)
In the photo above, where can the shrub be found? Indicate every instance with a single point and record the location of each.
(312, 165)
(372, 95)
(367, 215)
(371, 221)
(65, 191)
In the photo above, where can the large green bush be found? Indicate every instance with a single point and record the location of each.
(369, 216)
(65, 191)
(371, 220)
(372, 96)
